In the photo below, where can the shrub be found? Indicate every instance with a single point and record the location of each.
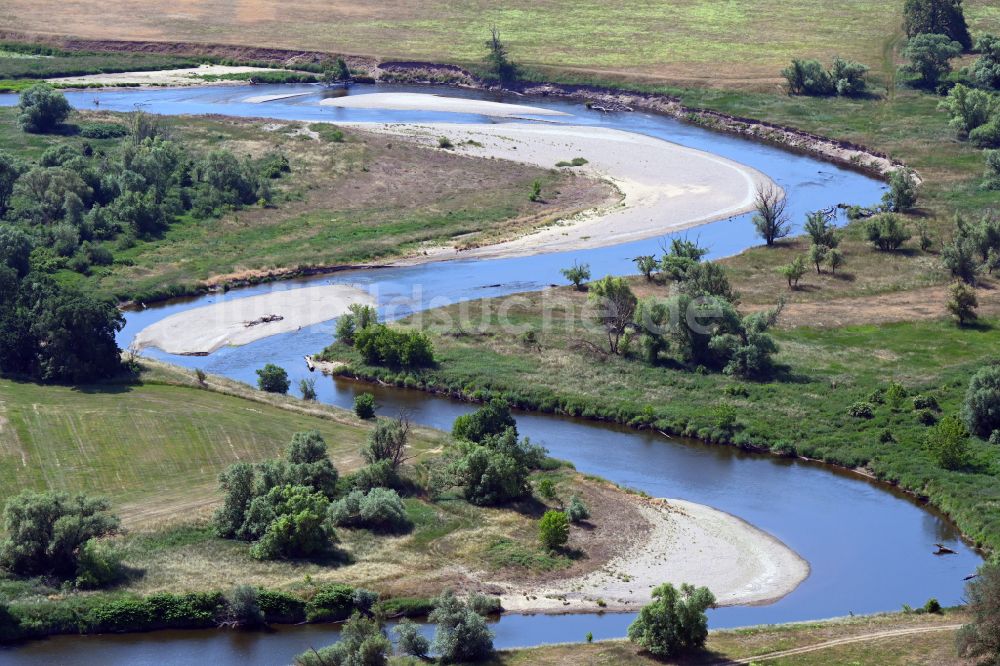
(577, 510)
(289, 521)
(675, 622)
(98, 566)
(962, 303)
(991, 177)
(646, 264)
(793, 272)
(364, 405)
(577, 274)
(981, 409)
(536, 191)
(808, 77)
(923, 401)
(410, 641)
(379, 474)
(948, 443)
(331, 603)
(886, 232)
(387, 441)
(461, 634)
(496, 470)
(274, 165)
(46, 531)
(103, 130)
(445, 142)
(281, 606)
(547, 489)
(244, 606)
(553, 530)
(861, 410)
(273, 379)
(987, 135)
(926, 417)
(494, 418)
(361, 643)
(986, 69)
(932, 606)
(969, 107)
(381, 345)
(42, 108)
(307, 387)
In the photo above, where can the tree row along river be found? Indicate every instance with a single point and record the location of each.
(870, 549)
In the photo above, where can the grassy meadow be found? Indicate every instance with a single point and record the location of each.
(698, 42)
(935, 647)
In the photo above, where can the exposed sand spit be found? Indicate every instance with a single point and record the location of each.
(687, 543)
(164, 77)
(427, 102)
(665, 187)
(204, 330)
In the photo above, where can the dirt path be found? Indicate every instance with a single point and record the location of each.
(894, 633)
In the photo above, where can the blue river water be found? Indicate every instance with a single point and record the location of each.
(869, 548)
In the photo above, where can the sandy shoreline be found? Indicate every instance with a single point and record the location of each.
(665, 187)
(687, 543)
(188, 76)
(397, 101)
(206, 329)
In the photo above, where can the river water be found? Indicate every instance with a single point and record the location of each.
(869, 549)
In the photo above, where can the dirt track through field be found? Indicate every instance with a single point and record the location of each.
(895, 633)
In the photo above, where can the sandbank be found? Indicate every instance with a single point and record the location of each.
(426, 102)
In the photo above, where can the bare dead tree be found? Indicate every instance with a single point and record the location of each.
(771, 219)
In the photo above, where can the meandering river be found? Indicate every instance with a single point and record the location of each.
(869, 549)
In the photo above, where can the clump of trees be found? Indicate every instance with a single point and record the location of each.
(358, 317)
(379, 509)
(986, 69)
(675, 622)
(808, 77)
(930, 57)
(973, 249)
(980, 639)
(281, 504)
(937, 17)
(381, 345)
(981, 409)
(54, 534)
(362, 642)
(489, 462)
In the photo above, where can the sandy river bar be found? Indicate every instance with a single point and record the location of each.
(427, 102)
(687, 543)
(205, 329)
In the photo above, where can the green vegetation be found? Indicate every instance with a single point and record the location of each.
(273, 379)
(807, 77)
(41, 109)
(930, 57)
(364, 405)
(35, 61)
(980, 639)
(943, 17)
(577, 274)
(461, 634)
(981, 409)
(675, 622)
(553, 530)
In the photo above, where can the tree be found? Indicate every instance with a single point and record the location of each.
(553, 530)
(963, 303)
(15, 250)
(709, 279)
(959, 256)
(410, 641)
(980, 639)
(646, 264)
(498, 63)
(817, 255)
(968, 107)
(378, 509)
(496, 470)
(493, 418)
(615, 308)
(808, 77)
(981, 409)
(675, 622)
(942, 17)
(991, 177)
(308, 463)
(902, 193)
(244, 606)
(41, 109)
(930, 57)
(849, 77)
(387, 441)
(273, 379)
(821, 229)
(10, 170)
(461, 634)
(835, 258)
(886, 232)
(681, 257)
(948, 443)
(986, 70)
(46, 531)
(577, 274)
(794, 271)
(364, 406)
(307, 387)
(771, 221)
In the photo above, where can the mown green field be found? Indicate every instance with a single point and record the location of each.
(155, 448)
(716, 42)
